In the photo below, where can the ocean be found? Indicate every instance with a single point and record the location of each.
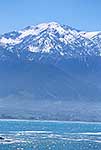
(49, 135)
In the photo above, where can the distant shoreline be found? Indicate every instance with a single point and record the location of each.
(53, 121)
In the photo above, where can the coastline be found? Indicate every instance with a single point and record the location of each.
(51, 121)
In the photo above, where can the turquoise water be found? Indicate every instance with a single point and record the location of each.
(44, 135)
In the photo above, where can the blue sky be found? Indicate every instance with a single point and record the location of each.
(81, 14)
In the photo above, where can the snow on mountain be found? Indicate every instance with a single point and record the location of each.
(97, 40)
(49, 90)
(88, 35)
(52, 39)
(9, 41)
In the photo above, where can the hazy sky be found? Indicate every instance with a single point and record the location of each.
(81, 14)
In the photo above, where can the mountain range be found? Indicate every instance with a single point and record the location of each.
(50, 71)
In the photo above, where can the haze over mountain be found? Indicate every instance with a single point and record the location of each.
(50, 71)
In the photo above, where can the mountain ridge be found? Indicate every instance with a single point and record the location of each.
(50, 71)
(51, 39)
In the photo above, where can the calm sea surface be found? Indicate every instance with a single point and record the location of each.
(44, 135)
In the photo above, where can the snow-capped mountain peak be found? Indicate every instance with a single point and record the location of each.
(52, 39)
